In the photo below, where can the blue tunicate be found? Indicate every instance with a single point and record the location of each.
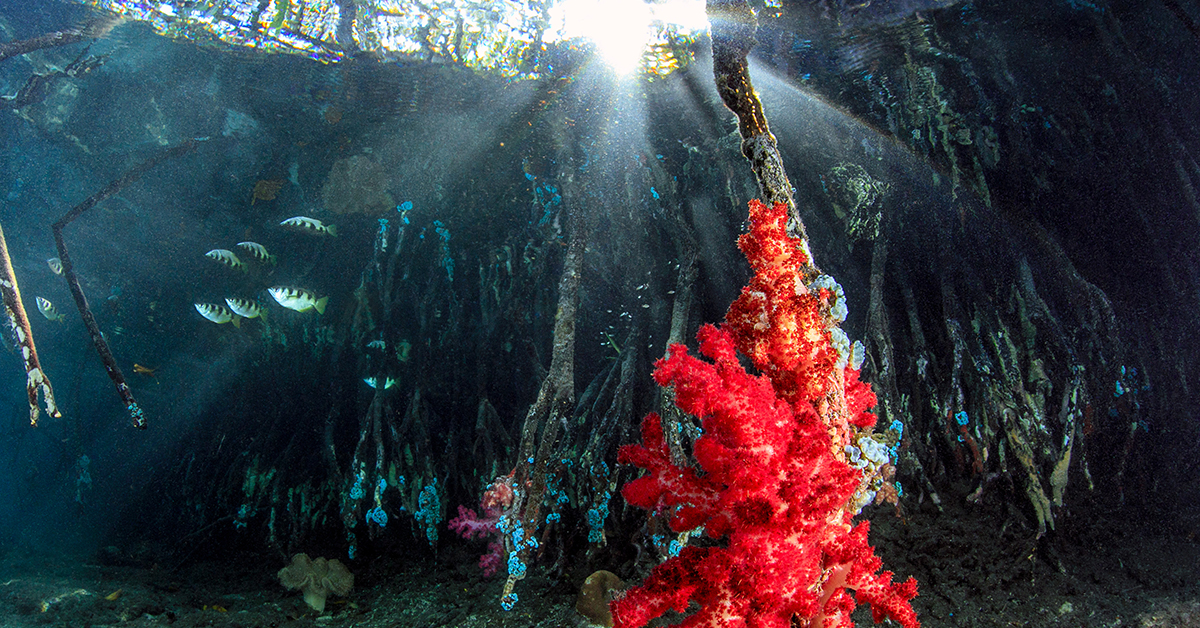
(139, 417)
(377, 516)
(529, 176)
(382, 237)
(382, 484)
(961, 418)
(516, 567)
(508, 602)
(897, 427)
(595, 518)
(654, 192)
(429, 509)
(674, 548)
(441, 230)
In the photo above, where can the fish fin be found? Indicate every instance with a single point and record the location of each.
(237, 321)
(332, 229)
(320, 304)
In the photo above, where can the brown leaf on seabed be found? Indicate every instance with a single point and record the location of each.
(265, 190)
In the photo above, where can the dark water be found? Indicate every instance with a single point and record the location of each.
(1006, 195)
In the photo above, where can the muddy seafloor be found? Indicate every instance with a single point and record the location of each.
(1093, 570)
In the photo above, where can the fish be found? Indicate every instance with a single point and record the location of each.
(227, 257)
(143, 370)
(298, 299)
(257, 251)
(218, 314)
(49, 311)
(55, 265)
(374, 383)
(309, 225)
(246, 308)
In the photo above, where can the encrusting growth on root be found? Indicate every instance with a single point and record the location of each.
(18, 322)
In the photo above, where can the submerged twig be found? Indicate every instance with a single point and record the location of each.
(110, 363)
(733, 27)
(93, 29)
(37, 87)
(35, 378)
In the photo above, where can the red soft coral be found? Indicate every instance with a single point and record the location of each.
(496, 501)
(773, 482)
(770, 485)
(777, 321)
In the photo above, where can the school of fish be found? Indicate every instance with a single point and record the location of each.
(296, 298)
(236, 309)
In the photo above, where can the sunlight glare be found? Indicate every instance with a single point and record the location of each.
(621, 29)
